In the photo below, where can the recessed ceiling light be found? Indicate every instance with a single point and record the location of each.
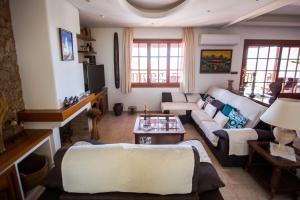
(208, 11)
(101, 16)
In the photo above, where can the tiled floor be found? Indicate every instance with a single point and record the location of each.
(239, 184)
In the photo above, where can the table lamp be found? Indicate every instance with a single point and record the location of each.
(284, 113)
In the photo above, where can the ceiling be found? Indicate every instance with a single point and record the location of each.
(180, 13)
(293, 9)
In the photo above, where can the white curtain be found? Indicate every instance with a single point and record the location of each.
(126, 67)
(188, 63)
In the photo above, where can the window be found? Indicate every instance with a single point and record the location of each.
(156, 63)
(267, 61)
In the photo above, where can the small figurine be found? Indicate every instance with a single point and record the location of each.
(70, 101)
(76, 99)
(66, 102)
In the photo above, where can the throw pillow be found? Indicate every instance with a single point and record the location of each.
(178, 97)
(205, 96)
(227, 109)
(236, 120)
(208, 99)
(218, 104)
(192, 97)
(221, 119)
(210, 110)
(200, 103)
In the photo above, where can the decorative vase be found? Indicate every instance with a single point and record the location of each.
(118, 109)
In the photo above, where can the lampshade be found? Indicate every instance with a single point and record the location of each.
(284, 113)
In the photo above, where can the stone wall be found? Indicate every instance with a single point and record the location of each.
(10, 82)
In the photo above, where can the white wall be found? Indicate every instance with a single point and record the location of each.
(46, 80)
(30, 27)
(152, 96)
(104, 46)
(203, 81)
(68, 75)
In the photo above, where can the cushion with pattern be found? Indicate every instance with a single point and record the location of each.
(236, 120)
(227, 109)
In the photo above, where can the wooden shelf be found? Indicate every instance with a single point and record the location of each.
(54, 115)
(87, 52)
(18, 148)
(85, 38)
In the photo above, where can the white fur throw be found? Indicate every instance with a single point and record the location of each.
(203, 156)
(155, 169)
(238, 140)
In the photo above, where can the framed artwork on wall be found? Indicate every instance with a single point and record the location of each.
(215, 61)
(66, 45)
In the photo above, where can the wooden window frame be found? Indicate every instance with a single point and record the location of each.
(157, 85)
(279, 43)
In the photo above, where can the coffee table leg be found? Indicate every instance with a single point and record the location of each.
(181, 137)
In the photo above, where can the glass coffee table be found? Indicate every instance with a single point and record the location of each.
(158, 129)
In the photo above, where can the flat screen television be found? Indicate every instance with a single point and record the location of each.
(94, 79)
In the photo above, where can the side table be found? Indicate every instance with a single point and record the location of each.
(274, 173)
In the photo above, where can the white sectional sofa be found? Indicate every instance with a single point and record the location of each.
(132, 171)
(213, 132)
(248, 108)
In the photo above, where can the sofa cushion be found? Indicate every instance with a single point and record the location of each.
(208, 127)
(218, 104)
(200, 103)
(199, 115)
(178, 97)
(210, 110)
(252, 111)
(178, 106)
(227, 109)
(221, 119)
(166, 97)
(248, 108)
(207, 96)
(192, 97)
(236, 120)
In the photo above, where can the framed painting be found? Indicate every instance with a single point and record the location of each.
(215, 61)
(66, 45)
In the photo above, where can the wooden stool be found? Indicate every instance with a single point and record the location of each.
(132, 110)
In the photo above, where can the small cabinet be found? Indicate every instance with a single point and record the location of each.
(9, 187)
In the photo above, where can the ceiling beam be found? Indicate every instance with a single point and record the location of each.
(263, 10)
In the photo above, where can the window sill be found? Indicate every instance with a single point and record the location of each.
(155, 85)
